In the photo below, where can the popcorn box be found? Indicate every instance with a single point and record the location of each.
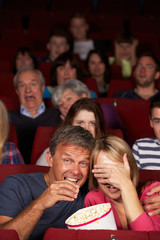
(99, 216)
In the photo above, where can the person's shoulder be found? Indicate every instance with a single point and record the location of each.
(51, 116)
(9, 145)
(145, 140)
(14, 112)
(129, 93)
(43, 59)
(52, 110)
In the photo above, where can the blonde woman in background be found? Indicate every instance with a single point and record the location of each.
(9, 154)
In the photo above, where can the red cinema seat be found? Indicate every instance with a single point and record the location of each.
(6, 234)
(5, 66)
(117, 85)
(69, 234)
(154, 235)
(41, 141)
(116, 132)
(134, 114)
(116, 72)
(12, 136)
(9, 103)
(7, 88)
(91, 84)
(145, 174)
(45, 68)
(10, 169)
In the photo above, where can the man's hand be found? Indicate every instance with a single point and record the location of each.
(152, 203)
(58, 191)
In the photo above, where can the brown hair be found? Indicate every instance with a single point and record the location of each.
(61, 61)
(90, 105)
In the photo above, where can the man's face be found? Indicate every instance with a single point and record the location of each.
(155, 121)
(145, 72)
(125, 50)
(69, 162)
(56, 46)
(79, 28)
(30, 91)
(65, 73)
(68, 98)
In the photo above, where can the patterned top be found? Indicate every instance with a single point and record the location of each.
(11, 154)
(146, 152)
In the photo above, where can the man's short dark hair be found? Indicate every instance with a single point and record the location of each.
(155, 102)
(75, 135)
(58, 33)
(79, 15)
(154, 58)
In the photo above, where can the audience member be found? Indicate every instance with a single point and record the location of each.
(86, 113)
(58, 43)
(9, 153)
(30, 84)
(147, 71)
(37, 201)
(81, 43)
(23, 57)
(147, 150)
(64, 68)
(113, 179)
(98, 67)
(125, 52)
(68, 93)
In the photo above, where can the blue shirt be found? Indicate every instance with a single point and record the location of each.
(20, 190)
(26, 113)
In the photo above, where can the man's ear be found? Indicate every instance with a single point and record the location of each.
(151, 123)
(43, 87)
(157, 75)
(49, 158)
(84, 95)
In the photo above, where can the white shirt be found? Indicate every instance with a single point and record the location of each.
(83, 48)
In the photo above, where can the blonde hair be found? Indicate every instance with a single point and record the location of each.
(115, 148)
(4, 126)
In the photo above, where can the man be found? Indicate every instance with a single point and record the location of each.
(147, 71)
(30, 84)
(34, 202)
(58, 43)
(147, 150)
(81, 44)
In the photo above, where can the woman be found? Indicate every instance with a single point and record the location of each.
(98, 67)
(64, 68)
(87, 113)
(23, 57)
(8, 151)
(113, 179)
